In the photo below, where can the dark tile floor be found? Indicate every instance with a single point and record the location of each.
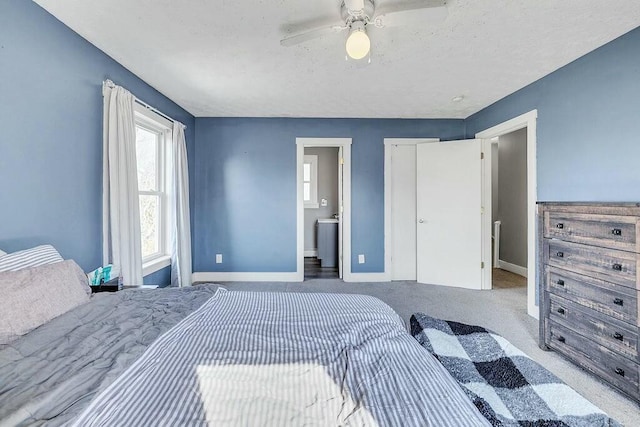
(313, 270)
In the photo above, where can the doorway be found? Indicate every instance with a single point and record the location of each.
(321, 188)
(508, 163)
(323, 211)
(526, 121)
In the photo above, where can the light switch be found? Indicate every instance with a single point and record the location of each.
(361, 259)
(218, 258)
(323, 202)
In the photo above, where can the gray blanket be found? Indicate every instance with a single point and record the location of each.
(51, 374)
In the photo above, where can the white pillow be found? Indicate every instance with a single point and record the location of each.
(2, 252)
(40, 255)
(33, 296)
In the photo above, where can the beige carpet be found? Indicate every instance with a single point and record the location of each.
(501, 310)
(503, 279)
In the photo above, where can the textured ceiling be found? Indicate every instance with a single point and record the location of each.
(222, 58)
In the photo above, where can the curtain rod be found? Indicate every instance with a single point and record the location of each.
(112, 85)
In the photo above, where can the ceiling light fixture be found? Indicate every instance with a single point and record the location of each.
(457, 98)
(358, 43)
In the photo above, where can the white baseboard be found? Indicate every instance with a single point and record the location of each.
(246, 277)
(522, 271)
(279, 277)
(366, 277)
(310, 253)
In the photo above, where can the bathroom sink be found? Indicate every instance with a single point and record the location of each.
(327, 221)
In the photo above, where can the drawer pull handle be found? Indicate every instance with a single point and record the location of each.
(560, 225)
(620, 371)
(560, 282)
(618, 301)
(616, 232)
(560, 254)
(561, 310)
(618, 336)
(561, 339)
(617, 267)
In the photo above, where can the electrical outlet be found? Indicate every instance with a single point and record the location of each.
(361, 259)
(218, 258)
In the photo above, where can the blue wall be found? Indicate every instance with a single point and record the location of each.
(161, 278)
(588, 124)
(245, 195)
(51, 139)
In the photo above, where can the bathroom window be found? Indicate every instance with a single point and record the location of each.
(310, 181)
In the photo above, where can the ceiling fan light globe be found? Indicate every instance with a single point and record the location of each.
(358, 44)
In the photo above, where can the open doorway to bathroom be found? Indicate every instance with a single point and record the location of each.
(324, 208)
(321, 212)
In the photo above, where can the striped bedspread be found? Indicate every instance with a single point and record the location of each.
(262, 358)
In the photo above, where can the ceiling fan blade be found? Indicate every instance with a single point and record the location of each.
(407, 12)
(310, 35)
(387, 8)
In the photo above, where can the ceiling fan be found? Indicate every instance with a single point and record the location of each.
(360, 15)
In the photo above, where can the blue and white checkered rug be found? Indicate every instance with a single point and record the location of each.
(508, 387)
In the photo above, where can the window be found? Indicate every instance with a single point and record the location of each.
(153, 134)
(310, 181)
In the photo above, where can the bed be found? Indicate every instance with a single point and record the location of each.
(204, 355)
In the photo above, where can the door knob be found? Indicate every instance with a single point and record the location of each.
(421, 220)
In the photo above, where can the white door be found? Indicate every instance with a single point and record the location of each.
(340, 208)
(449, 213)
(403, 212)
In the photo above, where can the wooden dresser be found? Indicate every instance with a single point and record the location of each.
(590, 287)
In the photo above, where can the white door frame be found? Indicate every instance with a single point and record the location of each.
(345, 215)
(529, 121)
(340, 219)
(388, 142)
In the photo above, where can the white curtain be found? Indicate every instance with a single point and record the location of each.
(120, 205)
(181, 236)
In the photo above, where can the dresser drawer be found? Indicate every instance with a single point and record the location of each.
(605, 264)
(614, 334)
(617, 370)
(609, 231)
(619, 302)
